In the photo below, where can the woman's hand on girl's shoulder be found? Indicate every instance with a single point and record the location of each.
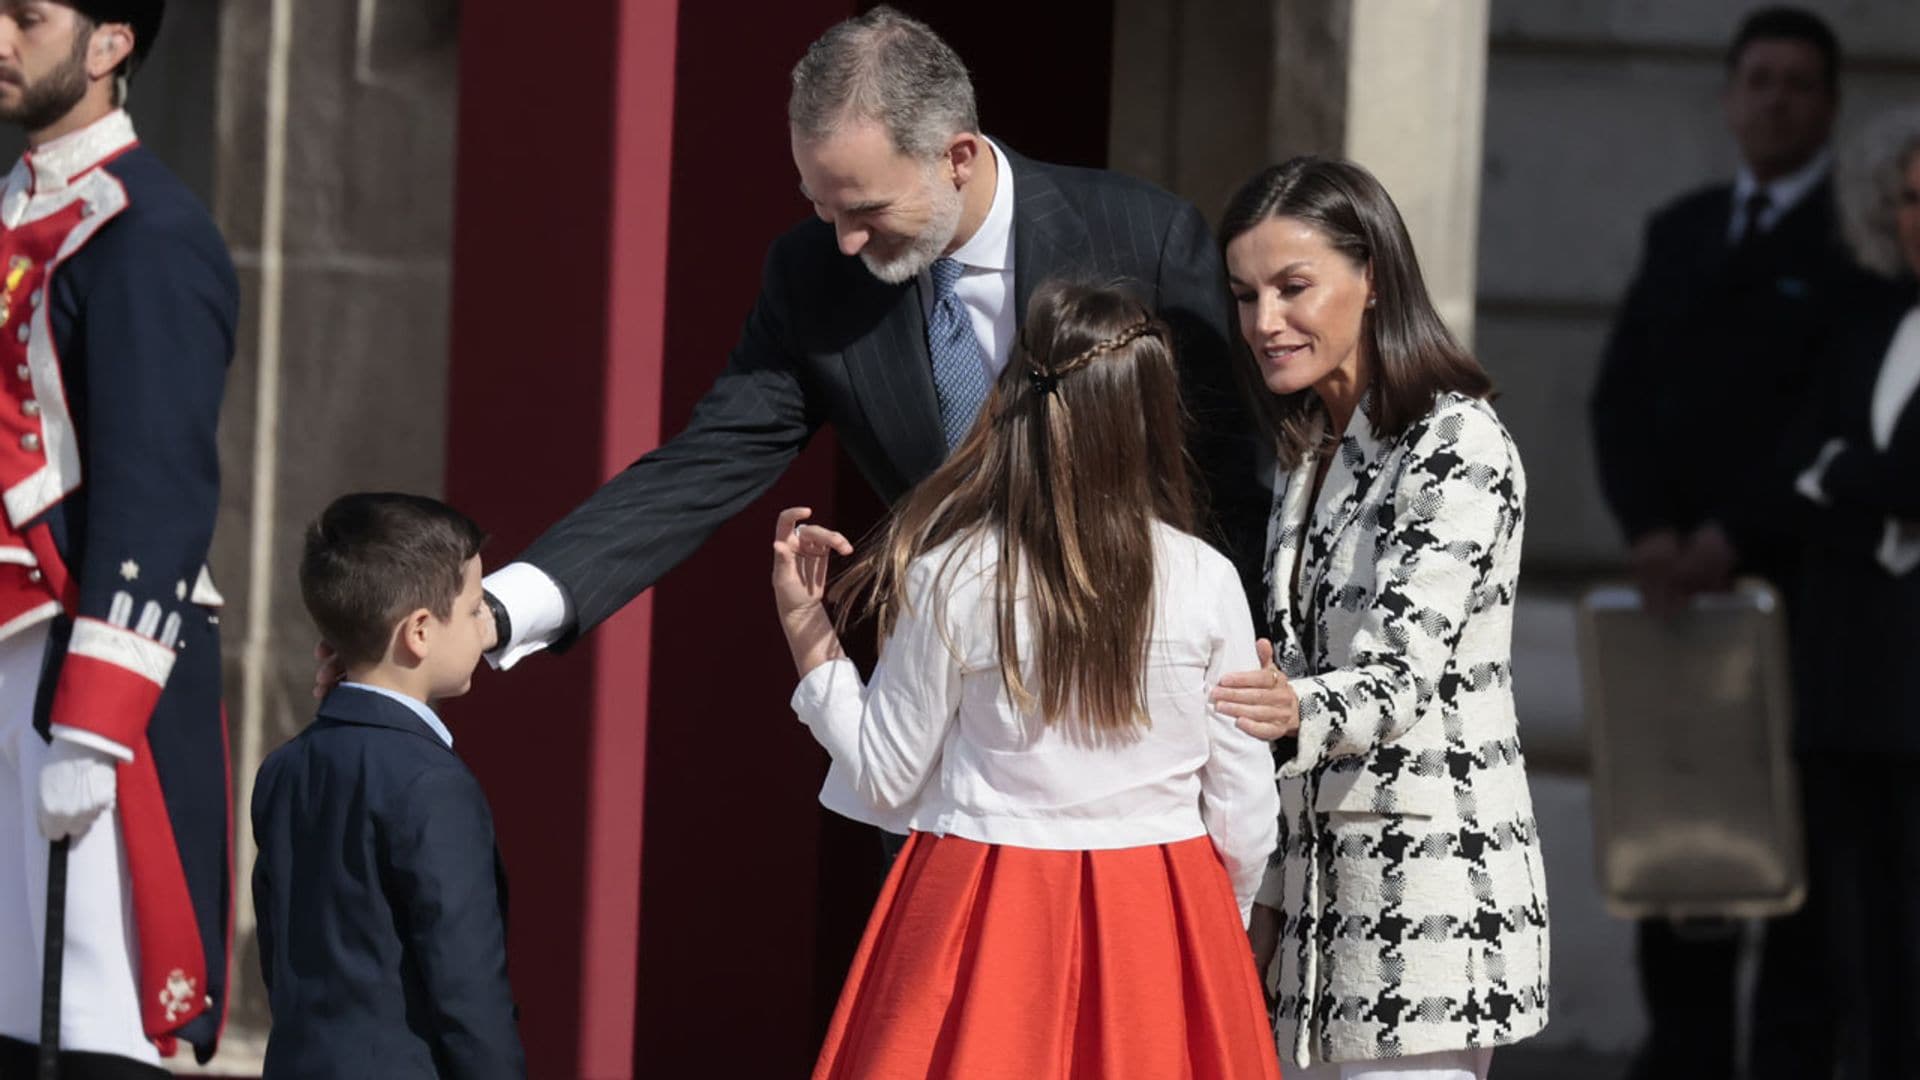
(1262, 703)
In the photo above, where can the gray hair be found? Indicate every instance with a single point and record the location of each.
(884, 67)
(1869, 180)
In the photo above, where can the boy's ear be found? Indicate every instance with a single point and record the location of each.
(411, 638)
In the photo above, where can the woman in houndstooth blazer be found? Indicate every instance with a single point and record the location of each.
(1406, 923)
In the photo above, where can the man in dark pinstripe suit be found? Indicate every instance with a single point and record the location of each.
(927, 232)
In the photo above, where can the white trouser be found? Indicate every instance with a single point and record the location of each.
(99, 1000)
(1447, 1065)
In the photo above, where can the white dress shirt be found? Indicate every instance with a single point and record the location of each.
(985, 288)
(1783, 193)
(934, 743)
(540, 610)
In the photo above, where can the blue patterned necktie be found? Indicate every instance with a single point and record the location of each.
(959, 368)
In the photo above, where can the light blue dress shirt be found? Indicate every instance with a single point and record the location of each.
(420, 709)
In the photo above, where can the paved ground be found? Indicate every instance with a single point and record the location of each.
(1519, 1063)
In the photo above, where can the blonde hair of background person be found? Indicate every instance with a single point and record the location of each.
(1869, 181)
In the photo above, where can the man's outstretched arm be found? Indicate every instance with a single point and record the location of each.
(652, 515)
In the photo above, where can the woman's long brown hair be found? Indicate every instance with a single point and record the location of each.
(1077, 452)
(1415, 356)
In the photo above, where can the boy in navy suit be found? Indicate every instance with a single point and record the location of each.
(381, 903)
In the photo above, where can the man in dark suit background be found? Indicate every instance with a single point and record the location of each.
(1707, 364)
(889, 317)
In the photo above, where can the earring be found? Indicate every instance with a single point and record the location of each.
(1372, 300)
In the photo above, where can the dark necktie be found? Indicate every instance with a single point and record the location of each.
(959, 367)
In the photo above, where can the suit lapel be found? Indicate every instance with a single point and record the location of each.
(1809, 221)
(1713, 244)
(892, 377)
(1284, 534)
(1355, 464)
(1876, 336)
(889, 368)
(1049, 235)
(351, 705)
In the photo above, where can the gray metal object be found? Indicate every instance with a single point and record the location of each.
(52, 962)
(1695, 798)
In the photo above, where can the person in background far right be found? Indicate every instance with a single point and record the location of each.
(1709, 360)
(1856, 619)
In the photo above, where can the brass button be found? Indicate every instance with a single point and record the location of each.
(35, 298)
(30, 442)
(24, 332)
(35, 575)
(30, 407)
(23, 371)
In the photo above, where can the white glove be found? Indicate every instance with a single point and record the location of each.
(77, 784)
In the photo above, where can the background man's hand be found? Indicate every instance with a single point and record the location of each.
(1706, 564)
(1654, 562)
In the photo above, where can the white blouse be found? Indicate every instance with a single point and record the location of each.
(933, 743)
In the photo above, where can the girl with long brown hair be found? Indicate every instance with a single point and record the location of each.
(1085, 833)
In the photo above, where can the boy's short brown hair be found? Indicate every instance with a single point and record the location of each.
(373, 557)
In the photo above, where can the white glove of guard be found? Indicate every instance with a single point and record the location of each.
(77, 785)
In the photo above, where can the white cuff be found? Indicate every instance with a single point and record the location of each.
(837, 795)
(1812, 480)
(816, 687)
(811, 702)
(536, 606)
(82, 737)
(1899, 550)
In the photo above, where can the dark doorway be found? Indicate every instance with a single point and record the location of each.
(1042, 72)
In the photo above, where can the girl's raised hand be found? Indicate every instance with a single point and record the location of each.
(800, 554)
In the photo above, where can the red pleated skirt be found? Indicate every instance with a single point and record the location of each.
(985, 962)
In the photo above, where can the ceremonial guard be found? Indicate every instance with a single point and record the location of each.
(117, 312)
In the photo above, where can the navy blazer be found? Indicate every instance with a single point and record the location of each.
(1856, 625)
(381, 902)
(1709, 358)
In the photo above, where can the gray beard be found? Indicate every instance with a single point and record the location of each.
(926, 247)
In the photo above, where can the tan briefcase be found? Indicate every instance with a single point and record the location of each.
(1696, 809)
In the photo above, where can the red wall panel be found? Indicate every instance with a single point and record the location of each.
(680, 904)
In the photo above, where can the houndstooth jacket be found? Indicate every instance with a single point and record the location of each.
(1413, 901)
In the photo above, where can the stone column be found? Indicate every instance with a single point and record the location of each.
(1191, 90)
(332, 177)
(1415, 98)
(1206, 92)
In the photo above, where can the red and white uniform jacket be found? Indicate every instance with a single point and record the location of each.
(117, 311)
